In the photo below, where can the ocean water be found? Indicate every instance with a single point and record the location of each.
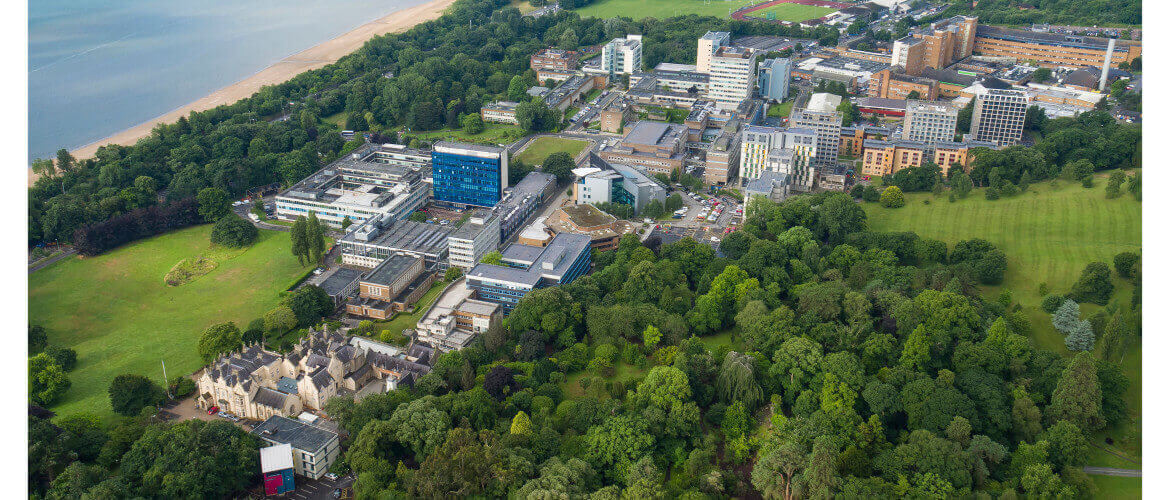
(97, 67)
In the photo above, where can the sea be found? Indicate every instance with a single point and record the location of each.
(97, 67)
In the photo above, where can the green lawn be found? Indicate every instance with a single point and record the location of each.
(793, 12)
(117, 313)
(637, 9)
(536, 151)
(623, 372)
(780, 110)
(1049, 234)
(1118, 487)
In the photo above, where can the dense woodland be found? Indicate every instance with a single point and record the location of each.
(441, 71)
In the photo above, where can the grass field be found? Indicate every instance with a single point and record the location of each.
(793, 12)
(1049, 234)
(536, 151)
(638, 9)
(117, 313)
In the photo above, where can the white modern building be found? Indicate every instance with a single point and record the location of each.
(773, 78)
(477, 237)
(999, 115)
(622, 55)
(708, 45)
(820, 114)
(733, 76)
(602, 182)
(373, 180)
(930, 122)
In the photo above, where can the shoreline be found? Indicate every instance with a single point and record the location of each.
(314, 57)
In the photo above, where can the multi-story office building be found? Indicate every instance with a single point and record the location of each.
(603, 182)
(894, 83)
(622, 55)
(733, 76)
(777, 149)
(499, 112)
(999, 115)
(929, 122)
(820, 115)
(468, 174)
(722, 157)
(773, 78)
(478, 236)
(1051, 50)
(396, 284)
(710, 43)
(526, 268)
(378, 238)
(654, 146)
(373, 180)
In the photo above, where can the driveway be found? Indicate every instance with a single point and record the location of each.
(1110, 471)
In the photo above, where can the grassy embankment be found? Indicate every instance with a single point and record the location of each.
(120, 317)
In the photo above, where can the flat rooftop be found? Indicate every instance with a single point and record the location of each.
(390, 269)
(408, 236)
(457, 147)
(552, 261)
(654, 133)
(339, 280)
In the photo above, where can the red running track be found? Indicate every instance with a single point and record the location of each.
(739, 15)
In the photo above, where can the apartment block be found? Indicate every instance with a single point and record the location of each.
(710, 43)
(930, 122)
(774, 76)
(469, 174)
(622, 55)
(732, 76)
(892, 83)
(777, 149)
(885, 157)
(821, 116)
(555, 60)
(999, 115)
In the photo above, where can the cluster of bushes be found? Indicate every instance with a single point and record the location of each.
(47, 367)
(96, 238)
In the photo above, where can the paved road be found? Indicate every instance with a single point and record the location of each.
(51, 260)
(1111, 471)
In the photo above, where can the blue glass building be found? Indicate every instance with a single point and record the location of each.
(469, 174)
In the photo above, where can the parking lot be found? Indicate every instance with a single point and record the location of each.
(321, 489)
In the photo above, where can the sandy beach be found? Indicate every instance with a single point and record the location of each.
(312, 58)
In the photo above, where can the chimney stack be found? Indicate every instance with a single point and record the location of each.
(1105, 67)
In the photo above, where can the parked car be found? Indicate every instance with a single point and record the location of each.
(330, 476)
(212, 410)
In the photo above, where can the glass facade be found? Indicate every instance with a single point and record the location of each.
(466, 180)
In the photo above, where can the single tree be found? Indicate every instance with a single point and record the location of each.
(1066, 317)
(130, 393)
(1077, 397)
(315, 234)
(892, 197)
(213, 204)
(1081, 337)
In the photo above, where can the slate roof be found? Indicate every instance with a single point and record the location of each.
(300, 435)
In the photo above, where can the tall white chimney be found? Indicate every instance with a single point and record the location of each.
(1105, 66)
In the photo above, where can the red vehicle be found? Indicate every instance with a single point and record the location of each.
(212, 410)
